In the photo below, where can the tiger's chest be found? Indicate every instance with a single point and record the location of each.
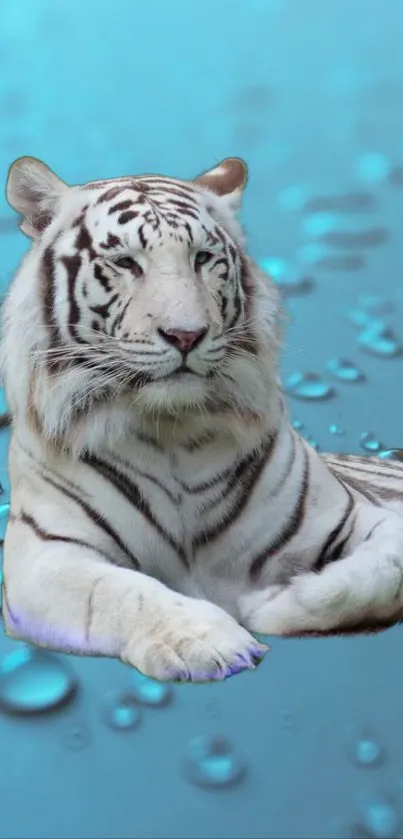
(186, 514)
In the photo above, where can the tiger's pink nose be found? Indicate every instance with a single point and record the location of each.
(182, 340)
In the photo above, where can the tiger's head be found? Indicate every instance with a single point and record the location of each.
(136, 299)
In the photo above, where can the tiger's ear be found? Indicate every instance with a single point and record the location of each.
(34, 191)
(228, 180)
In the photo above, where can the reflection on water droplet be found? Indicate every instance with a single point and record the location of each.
(77, 738)
(297, 424)
(369, 442)
(365, 750)
(32, 681)
(320, 223)
(285, 276)
(120, 710)
(345, 370)
(336, 429)
(381, 817)
(4, 514)
(312, 253)
(149, 692)
(379, 339)
(360, 318)
(373, 167)
(213, 762)
(308, 386)
(392, 454)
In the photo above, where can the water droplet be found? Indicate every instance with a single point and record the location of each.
(360, 238)
(324, 257)
(369, 442)
(336, 429)
(379, 339)
(391, 454)
(308, 386)
(287, 719)
(4, 514)
(298, 425)
(345, 370)
(374, 304)
(285, 276)
(120, 710)
(360, 318)
(32, 681)
(312, 443)
(312, 253)
(151, 693)
(396, 176)
(320, 223)
(213, 762)
(365, 750)
(381, 817)
(77, 738)
(373, 168)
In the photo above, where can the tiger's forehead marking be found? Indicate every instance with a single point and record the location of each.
(156, 202)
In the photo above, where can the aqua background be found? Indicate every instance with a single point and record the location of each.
(310, 92)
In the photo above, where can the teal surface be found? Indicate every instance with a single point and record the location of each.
(310, 93)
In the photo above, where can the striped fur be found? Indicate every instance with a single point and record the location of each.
(162, 506)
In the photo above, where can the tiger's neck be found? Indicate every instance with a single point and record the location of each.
(114, 428)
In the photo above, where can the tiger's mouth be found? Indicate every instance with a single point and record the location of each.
(183, 370)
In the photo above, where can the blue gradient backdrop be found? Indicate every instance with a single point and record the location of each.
(310, 92)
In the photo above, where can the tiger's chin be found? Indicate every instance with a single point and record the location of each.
(180, 392)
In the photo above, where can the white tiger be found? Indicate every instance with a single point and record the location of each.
(162, 506)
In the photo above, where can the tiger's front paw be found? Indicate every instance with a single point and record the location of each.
(192, 640)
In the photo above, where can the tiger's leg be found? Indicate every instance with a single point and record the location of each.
(69, 598)
(366, 586)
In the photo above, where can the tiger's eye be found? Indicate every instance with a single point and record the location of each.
(129, 264)
(201, 258)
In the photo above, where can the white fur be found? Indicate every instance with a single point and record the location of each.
(84, 596)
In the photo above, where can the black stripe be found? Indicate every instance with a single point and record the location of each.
(129, 215)
(371, 532)
(111, 193)
(175, 499)
(121, 205)
(354, 484)
(96, 518)
(376, 466)
(142, 237)
(132, 493)
(332, 550)
(25, 518)
(296, 518)
(73, 265)
(5, 420)
(243, 480)
(48, 306)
